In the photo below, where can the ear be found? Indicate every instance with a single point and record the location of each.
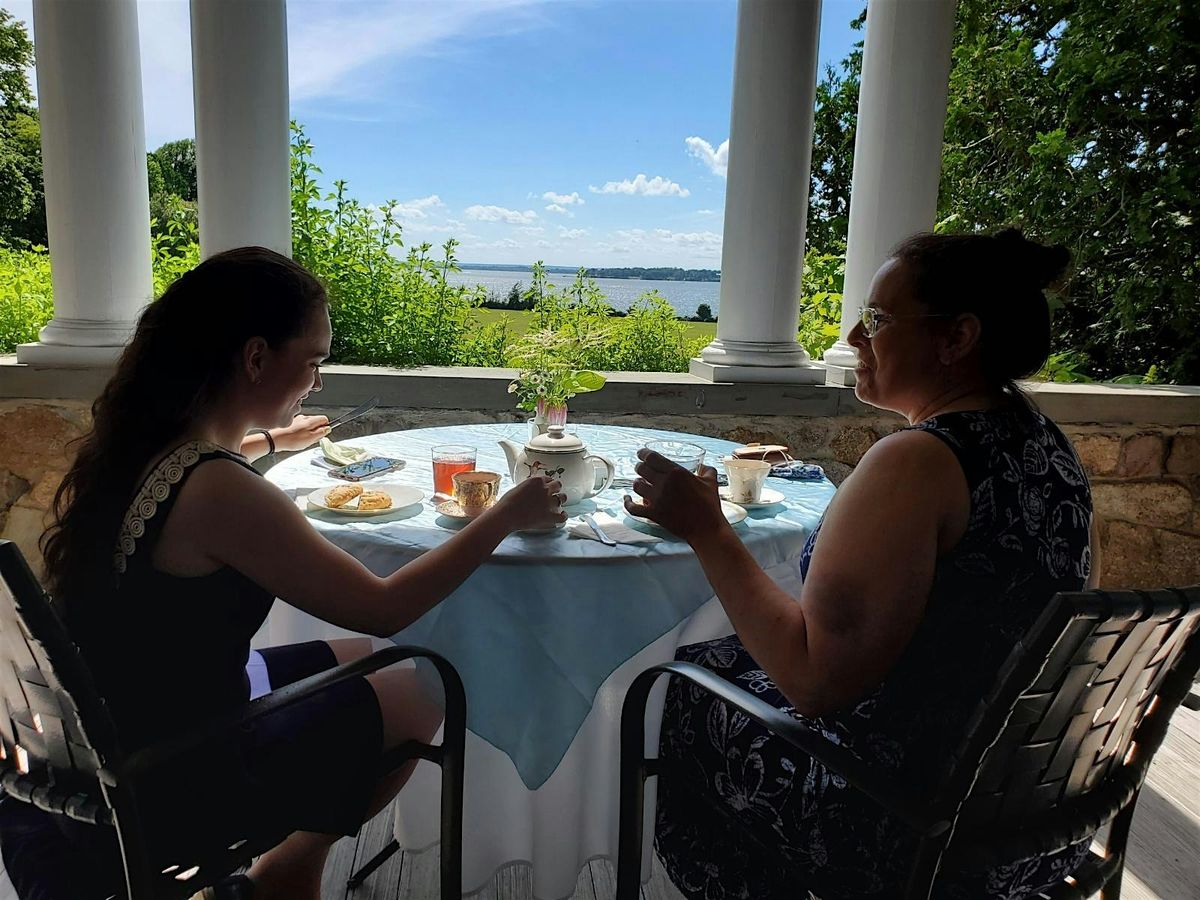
(254, 359)
(959, 339)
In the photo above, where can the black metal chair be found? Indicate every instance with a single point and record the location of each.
(1059, 748)
(59, 749)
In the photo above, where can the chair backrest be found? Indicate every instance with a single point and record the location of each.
(55, 732)
(1073, 714)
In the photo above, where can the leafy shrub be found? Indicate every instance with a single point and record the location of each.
(821, 301)
(26, 298)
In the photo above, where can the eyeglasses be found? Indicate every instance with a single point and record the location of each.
(872, 319)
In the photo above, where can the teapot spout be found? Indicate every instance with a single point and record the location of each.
(513, 453)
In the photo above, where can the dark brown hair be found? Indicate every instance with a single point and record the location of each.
(1001, 279)
(183, 353)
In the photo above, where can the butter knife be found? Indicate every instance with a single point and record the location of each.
(599, 532)
(355, 413)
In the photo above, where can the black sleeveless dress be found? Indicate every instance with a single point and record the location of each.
(168, 652)
(789, 825)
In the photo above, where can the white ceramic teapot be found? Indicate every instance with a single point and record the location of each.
(562, 456)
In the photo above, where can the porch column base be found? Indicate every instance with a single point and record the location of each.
(65, 356)
(840, 360)
(77, 343)
(808, 373)
(754, 353)
(840, 376)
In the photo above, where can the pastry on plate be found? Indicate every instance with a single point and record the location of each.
(337, 497)
(374, 500)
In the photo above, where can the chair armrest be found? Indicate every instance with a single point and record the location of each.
(148, 758)
(902, 802)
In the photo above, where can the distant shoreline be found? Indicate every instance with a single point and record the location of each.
(626, 273)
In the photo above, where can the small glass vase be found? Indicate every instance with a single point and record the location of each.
(546, 416)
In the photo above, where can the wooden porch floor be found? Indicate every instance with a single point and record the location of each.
(1164, 852)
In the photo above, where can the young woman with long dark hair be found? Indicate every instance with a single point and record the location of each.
(168, 549)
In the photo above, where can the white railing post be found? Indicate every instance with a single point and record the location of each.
(240, 81)
(89, 87)
(766, 198)
(897, 148)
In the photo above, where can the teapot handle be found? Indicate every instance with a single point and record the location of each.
(610, 472)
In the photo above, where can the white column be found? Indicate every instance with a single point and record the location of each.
(94, 163)
(766, 197)
(240, 82)
(898, 146)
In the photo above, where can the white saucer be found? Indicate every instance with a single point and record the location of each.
(402, 495)
(733, 514)
(768, 497)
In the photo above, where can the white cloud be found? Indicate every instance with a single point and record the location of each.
(555, 208)
(336, 50)
(646, 187)
(716, 160)
(532, 229)
(570, 199)
(500, 214)
(699, 239)
(417, 209)
(571, 234)
(706, 212)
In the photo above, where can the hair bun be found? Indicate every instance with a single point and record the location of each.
(1040, 264)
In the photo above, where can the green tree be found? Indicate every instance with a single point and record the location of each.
(1079, 121)
(177, 161)
(835, 118)
(22, 197)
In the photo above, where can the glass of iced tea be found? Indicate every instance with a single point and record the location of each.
(448, 461)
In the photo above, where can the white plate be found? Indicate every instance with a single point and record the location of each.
(733, 514)
(402, 495)
(768, 497)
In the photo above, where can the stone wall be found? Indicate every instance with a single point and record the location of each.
(1145, 479)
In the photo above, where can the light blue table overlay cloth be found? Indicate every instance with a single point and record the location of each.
(537, 629)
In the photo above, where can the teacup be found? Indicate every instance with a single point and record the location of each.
(746, 478)
(476, 491)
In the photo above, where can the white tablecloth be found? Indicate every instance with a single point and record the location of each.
(547, 636)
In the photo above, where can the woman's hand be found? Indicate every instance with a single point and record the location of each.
(683, 503)
(302, 433)
(534, 502)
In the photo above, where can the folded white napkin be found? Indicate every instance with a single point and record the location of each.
(614, 528)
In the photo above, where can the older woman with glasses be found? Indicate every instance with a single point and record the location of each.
(937, 553)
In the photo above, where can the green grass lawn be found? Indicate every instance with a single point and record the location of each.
(519, 323)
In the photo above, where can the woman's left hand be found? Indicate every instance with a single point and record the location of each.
(303, 432)
(683, 503)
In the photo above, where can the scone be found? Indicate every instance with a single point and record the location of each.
(374, 500)
(339, 496)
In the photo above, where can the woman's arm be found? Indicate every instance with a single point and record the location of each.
(868, 581)
(238, 519)
(303, 432)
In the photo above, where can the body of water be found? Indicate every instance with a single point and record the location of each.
(685, 296)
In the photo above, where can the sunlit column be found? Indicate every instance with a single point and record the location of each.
(766, 197)
(89, 87)
(897, 148)
(240, 83)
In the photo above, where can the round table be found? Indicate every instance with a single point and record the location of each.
(546, 635)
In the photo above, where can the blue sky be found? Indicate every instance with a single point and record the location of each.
(578, 132)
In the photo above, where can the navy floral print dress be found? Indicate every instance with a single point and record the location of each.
(775, 824)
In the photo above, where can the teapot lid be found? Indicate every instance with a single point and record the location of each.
(555, 440)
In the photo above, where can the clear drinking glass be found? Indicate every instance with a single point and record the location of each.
(689, 456)
(448, 461)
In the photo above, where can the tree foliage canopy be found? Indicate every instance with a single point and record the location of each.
(1079, 121)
